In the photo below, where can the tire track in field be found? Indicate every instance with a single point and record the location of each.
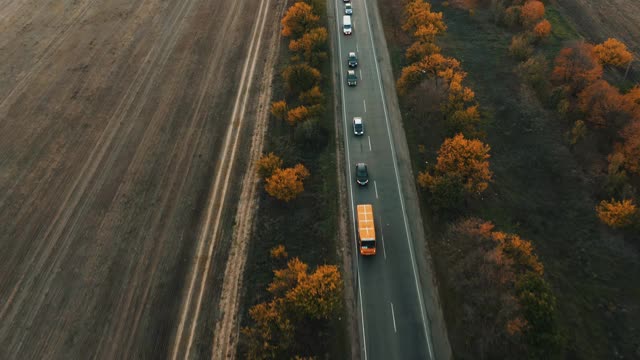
(75, 200)
(184, 157)
(40, 145)
(216, 197)
(38, 66)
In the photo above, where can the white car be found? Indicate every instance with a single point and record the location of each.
(348, 10)
(358, 126)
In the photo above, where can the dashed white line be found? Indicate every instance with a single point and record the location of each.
(376, 188)
(364, 103)
(360, 72)
(369, 137)
(393, 316)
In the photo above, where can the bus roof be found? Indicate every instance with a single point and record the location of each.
(366, 223)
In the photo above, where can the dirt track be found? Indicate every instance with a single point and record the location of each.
(112, 121)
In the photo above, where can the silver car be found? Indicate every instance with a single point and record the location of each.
(358, 126)
(348, 10)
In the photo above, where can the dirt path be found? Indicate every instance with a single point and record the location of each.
(111, 123)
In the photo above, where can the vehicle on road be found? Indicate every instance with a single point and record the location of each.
(358, 126)
(362, 174)
(346, 1)
(352, 60)
(352, 79)
(346, 24)
(366, 230)
(348, 9)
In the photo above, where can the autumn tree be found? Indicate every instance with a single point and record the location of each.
(461, 162)
(602, 105)
(300, 77)
(312, 45)
(418, 13)
(411, 76)
(576, 67)
(301, 301)
(531, 13)
(542, 30)
(458, 97)
(268, 164)
(613, 52)
(312, 96)
(297, 115)
(464, 121)
(286, 184)
(617, 214)
(419, 50)
(630, 147)
(278, 252)
(298, 20)
(279, 109)
(272, 333)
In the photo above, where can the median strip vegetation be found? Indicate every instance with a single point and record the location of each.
(292, 311)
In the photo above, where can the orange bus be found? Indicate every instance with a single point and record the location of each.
(366, 230)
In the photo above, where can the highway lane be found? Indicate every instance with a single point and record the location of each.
(393, 319)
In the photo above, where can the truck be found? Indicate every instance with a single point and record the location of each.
(366, 230)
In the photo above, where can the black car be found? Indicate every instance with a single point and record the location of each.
(362, 175)
(352, 60)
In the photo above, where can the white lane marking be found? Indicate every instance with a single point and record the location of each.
(353, 215)
(404, 211)
(360, 72)
(364, 103)
(369, 137)
(393, 316)
(357, 47)
(376, 188)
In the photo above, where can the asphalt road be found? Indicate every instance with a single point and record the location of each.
(392, 310)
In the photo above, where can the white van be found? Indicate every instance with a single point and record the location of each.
(346, 25)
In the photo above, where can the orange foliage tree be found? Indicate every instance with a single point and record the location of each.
(613, 52)
(311, 45)
(602, 105)
(542, 29)
(576, 67)
(298, 20)
(279, 109)
(630, 147)
(300, 299)
(419, 50)
(300, 77)
(268, 164)
(286, 184)
(463, 160)
(617, 214)
(418, 13)
(532, 12)
(297, 115)
(312, 96)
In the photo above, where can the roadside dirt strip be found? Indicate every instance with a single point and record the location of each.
(120, 127)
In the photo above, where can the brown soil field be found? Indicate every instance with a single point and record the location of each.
(602, 19)
(113, 117)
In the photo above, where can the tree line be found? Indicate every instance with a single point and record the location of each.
(509, 306)
(302, 304)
